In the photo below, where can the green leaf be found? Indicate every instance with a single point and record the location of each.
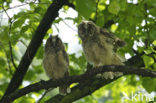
(85, 7)
(154, 66)
(2, 61)
(50, 31)
(37, 9)
(24, 29)
(39, 54)
(148, 61)
(25, 99)
(123, 5)
(30, 75)
(150, 2)
(114, 7)
(20, 14)
(149, 84)
(4, 34)
(100, 21)
(3, 86)
(154, 43)
(19, 22)
(148, 50)
(21, 0)
(152, 11)
(153, 33)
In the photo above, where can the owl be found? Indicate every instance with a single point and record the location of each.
(56, 61)
(100, 47)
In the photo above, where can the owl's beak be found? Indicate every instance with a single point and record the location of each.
(85, 26)
(52, 40)
(55, 40)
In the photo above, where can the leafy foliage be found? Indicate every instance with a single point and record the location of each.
(135, 23)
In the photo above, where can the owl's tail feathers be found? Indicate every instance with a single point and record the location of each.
(63, 90)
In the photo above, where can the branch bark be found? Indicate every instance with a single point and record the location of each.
(35, 43)
(87, 79)
(84, 89)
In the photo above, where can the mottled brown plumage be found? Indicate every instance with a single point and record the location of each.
(100, 46)
(56, 61)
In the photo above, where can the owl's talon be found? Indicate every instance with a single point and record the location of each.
(68, 90)
(117, 74)
(108, 75)
(63, 94)
(98, 75)
(111, 75)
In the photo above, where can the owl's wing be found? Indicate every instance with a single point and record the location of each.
(67, 59)
(112, 39)
(109, 38)
(66, 56)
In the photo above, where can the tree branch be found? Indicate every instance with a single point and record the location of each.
(96, 12)
(10, 47)
(84, 89)
(35, 43)
(23, 4)
(88, 76)
(7, 58)
(81, 90)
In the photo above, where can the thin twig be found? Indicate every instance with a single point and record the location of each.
(7, 57)
(8, 61)
(12, 58)
(147, 41)
(96, 12)
(56, 28)
(17, 6)
(69, 26)
(23, 43)
(10, 46)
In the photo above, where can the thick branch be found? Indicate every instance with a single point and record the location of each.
(135, 61)
(81, 90)
(35, 43)
(80, 78)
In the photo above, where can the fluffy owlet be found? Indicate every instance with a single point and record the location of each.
(56, 61)
(100, 46)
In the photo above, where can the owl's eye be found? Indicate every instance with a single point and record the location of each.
(83, 29)
(89, 25)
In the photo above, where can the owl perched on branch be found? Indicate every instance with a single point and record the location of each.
(56, 61)
(100, 46)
